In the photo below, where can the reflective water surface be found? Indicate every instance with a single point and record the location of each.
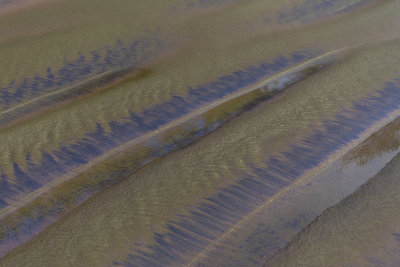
(212, 134)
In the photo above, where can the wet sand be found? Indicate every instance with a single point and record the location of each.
(135, 217)
(162, 206)
(361, 230)
(272, 227)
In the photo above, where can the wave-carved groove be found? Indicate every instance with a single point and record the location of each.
(188, 239)
(54, 99)
(110, 158)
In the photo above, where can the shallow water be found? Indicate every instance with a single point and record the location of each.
(361, 230)
(70, 114)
